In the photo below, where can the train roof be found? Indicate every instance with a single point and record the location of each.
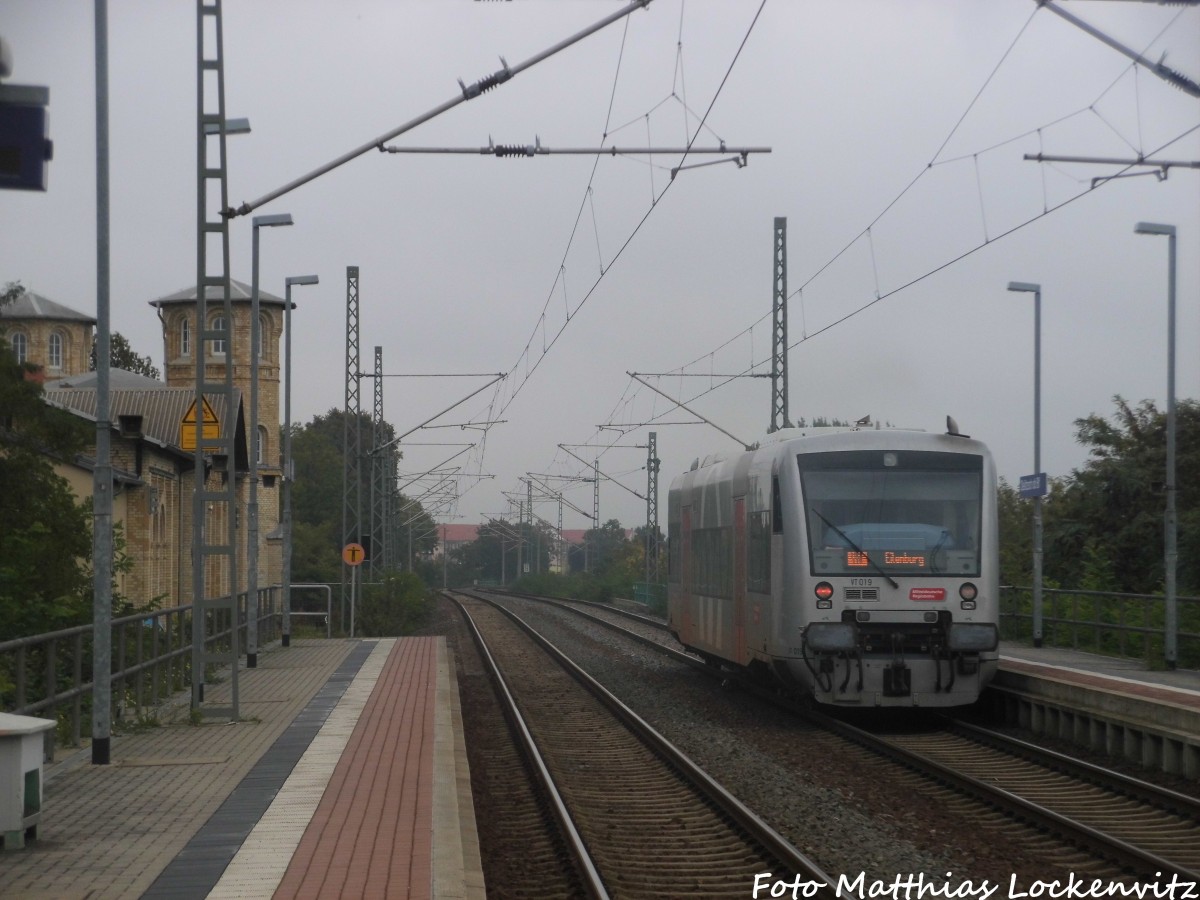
(824, 435)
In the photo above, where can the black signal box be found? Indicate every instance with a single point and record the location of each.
(24, 146)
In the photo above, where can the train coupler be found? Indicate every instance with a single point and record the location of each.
(897, 680)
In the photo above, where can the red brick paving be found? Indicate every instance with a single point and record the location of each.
(371, 835)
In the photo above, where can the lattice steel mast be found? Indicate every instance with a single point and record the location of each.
(351, 435)
(214, 510)
(779, 336)
(652, 464)
(376, 554)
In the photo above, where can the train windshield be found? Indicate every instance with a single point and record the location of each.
(893, 512)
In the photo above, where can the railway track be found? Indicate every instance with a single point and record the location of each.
(1128, 827)
(639, 818)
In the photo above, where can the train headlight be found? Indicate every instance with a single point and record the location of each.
(968, 591)
(824, 592)
(973, 637)
(830, 637)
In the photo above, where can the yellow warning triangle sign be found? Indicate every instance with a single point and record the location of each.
(210, 426)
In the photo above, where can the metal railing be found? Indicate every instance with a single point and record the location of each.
(328, 612)
(43, 675)
(1107, 622)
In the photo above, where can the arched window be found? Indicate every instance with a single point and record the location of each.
(262, 445)
(218, 347)
(20, 346)
(185, 336)
(264, 342)
(54, 357)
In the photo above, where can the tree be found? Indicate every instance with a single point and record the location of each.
(317, 500)
(606, 546)
(1107, 519)
(493, 554)
(122, 356)
(657, 539)
(45, 542)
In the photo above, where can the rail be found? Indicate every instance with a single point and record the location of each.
(49, 675)
(1107, 622)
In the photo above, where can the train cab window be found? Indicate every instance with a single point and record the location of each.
(776, 507)
(913, 513)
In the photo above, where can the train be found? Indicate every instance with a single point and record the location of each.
(857, 566)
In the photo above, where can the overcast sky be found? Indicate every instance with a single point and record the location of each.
(897, 132)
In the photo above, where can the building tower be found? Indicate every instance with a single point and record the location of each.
(48, 334)
(177, 313)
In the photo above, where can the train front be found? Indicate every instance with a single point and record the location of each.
(897, 573)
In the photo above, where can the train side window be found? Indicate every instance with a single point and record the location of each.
(758, 552)
(776, 507)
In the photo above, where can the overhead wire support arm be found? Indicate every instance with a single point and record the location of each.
(466, 93)
(605, 477)
(504, 151)
(399, 438)
(1163, 71)
(704, 375)
(551, 492)
(1163, 166)
(685, 407)
(430, 374)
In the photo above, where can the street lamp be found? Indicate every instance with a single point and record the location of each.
(1036, 290)
(287, 452)
(255, 447)
(1169, 553)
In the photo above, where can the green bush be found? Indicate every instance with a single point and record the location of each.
(401, 605)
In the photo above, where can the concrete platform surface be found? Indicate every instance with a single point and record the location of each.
(346, 776)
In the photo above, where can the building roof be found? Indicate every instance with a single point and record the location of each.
(29, 305)
(117, 379)
(239, 291)
(458, 534)
(162, 409)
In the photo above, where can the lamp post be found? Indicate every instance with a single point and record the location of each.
(286, 638)
(1036, 290)
(255, 447)
(1170, 555)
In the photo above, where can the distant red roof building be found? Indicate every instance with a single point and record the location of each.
(451, 537)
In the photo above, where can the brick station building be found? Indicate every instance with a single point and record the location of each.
(153, 469)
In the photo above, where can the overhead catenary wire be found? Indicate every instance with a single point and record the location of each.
(468, 93)
(532, 366)
(934, 162)
(656, 419)
(525, 355)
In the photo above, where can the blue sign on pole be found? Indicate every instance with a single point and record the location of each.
(1032, 485)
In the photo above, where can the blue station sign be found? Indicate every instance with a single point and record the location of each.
(1032, 485)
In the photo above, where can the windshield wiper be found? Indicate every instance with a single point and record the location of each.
(945, 536)
(853, 546)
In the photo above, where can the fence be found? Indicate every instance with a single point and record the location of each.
(1107, 622)
(652, 594)
(49, 675)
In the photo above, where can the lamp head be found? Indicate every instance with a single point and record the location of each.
(1155, 228)
(273, 219)
(1025, 286)
(301, 279)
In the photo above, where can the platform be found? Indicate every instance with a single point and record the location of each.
(1113, 704)
(347, 776)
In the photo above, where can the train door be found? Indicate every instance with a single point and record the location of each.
(739, 581)
(687, 632)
